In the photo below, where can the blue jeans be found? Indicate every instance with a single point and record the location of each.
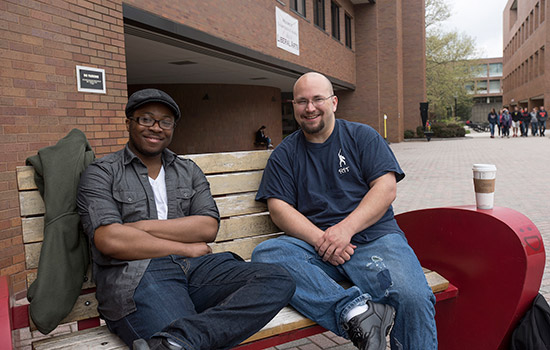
(211, 302)
(385, 271)
(534, 128)
(492, 126)
(525, 128)
(542, 127)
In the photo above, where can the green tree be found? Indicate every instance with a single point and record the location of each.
(450, 64)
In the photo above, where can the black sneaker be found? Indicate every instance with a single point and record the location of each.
(369, 329)
(155, 343)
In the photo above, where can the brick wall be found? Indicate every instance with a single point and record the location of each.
(414, 62)
(42, 42)
(380, 70)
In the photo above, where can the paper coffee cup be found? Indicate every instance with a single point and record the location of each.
(484, 185)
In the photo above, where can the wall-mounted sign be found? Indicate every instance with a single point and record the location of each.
(90, 79)
(287, 32)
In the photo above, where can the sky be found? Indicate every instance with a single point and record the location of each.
(480, 19)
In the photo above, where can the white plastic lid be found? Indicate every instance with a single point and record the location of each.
(484, 167)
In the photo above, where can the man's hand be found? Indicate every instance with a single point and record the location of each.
(198, 249)
(334, 246)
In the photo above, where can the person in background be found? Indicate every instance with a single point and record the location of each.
(149, 216)
(505, 123)
(542, 117)
(516, 118)
(525, 121)
(534, 121)
(492, 118)
(261, 138)
(498, 123)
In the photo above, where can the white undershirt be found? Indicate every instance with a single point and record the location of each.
(159, 190)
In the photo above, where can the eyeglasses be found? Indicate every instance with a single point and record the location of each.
(317, 101)
(165, 124)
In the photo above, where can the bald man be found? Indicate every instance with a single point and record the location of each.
(329, 186)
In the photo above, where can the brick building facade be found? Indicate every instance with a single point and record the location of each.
(486, 88)
(219, 60)
(524, 64)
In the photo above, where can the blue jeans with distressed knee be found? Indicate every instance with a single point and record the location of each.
(385, 271)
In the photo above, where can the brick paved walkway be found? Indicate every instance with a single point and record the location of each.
(439, 173)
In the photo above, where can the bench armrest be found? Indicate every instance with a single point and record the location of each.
(5, 314)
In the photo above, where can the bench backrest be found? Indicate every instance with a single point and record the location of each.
(234, 178)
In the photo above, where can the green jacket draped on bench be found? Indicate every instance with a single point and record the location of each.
(64, 256)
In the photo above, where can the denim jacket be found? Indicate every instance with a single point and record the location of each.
(116, 189)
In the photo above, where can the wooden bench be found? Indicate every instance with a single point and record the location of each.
(234, 178)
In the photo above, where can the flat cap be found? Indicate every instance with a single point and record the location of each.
(141, 97)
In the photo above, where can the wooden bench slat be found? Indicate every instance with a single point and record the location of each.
(231, 228)
(93, 338)
(242, 247)
(224, 162)
(235, 183)
(288, 319)
(245, 226)
(32, 254)
(25, 178)
(239, 205)
(31, 203)
(436, 281)
(33, 229)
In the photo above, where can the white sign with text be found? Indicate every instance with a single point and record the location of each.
(287, 32)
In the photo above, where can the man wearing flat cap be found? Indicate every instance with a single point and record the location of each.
(149, 216)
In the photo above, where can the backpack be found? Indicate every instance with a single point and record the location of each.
(533, 331)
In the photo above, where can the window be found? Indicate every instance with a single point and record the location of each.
(541, 61)
(335, 17)
(481, 87)
(494, 86)
(347, 24)
(495, 69)
(469, 87)
(514, 13)
(536, 65)
(479, 70)
(298, 6)
(537, 16)
(319, 13)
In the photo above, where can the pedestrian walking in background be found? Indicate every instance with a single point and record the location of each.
(542, 118)
(505, 123)
(525, 121)
(492, 118)
(534, 121)
(516, 117)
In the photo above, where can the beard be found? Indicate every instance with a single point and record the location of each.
(314, 129)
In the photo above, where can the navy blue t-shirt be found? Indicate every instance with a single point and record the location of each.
(326, 181)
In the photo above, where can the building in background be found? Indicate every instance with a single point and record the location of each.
(525, 36)
(486, 89)
(230, 65)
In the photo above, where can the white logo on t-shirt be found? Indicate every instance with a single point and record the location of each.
(343, 168)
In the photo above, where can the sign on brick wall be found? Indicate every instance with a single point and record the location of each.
(287, 32)
(91, 79)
